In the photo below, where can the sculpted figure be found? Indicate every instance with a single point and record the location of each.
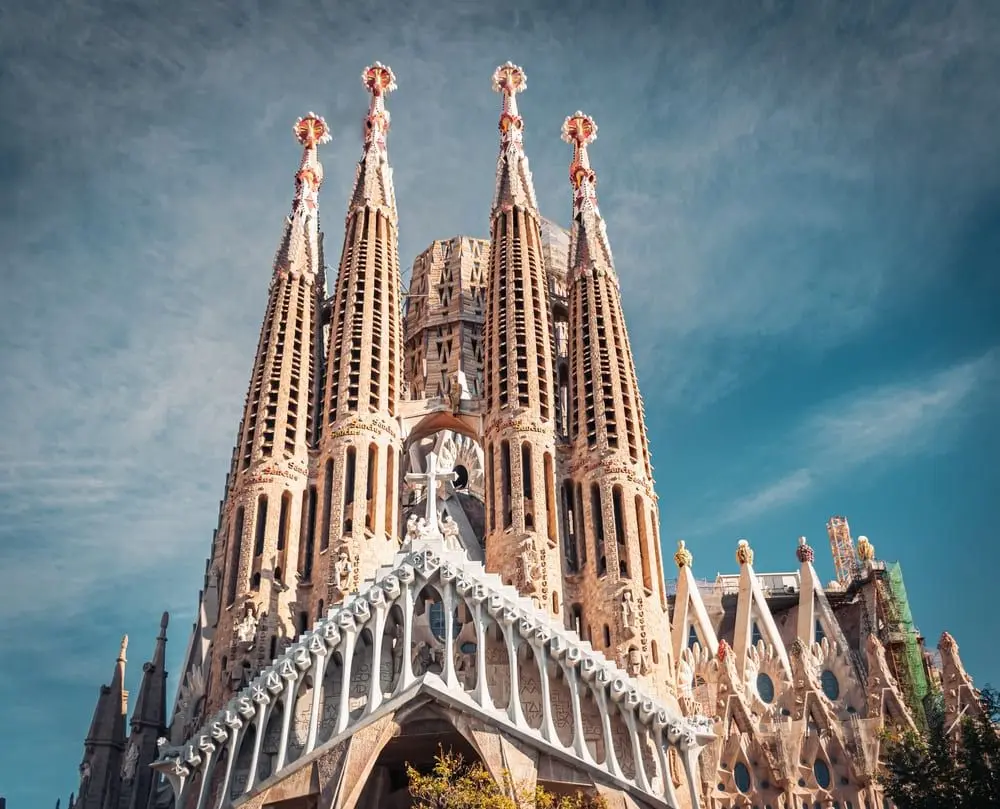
(246, 627)
(412, 529)
(628, 612)
(450, 530)
(455, 394)
(343, 570)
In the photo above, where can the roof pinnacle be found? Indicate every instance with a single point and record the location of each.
(744, 553)
(804, 552)
(683, 557)
(378, 80)
(580, 131)
(122, 649)
(509, 80)
(311, 131)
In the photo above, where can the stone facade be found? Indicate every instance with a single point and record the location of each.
(442, 524)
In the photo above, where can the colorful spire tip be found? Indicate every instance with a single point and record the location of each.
(311, 130)
(509, 79)
(579, 129)
(378, 79)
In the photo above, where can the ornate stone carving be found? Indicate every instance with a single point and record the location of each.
(246, 626)
(343, 568)
(528, 569)
(629, 621)
(129, 762)
(451, 533)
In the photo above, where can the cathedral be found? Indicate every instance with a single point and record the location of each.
(440, 530)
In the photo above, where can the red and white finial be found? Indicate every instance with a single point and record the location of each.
(509, 80)
(311, 131)
(580, 131)
(378, 80)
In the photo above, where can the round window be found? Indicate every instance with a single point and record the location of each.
(830, 685)
(741, 775)
(822, 773)
(765, 688)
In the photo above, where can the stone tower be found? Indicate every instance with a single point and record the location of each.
(352, 513)
(443, 325)
(616, 575)
(522, 543)
(256, 547)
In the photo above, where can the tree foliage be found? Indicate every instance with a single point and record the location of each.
(958, 768)
(455, 784)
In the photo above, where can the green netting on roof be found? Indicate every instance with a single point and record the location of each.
(917, 677)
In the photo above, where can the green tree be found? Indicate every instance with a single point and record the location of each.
(456, 784)
(944, 768)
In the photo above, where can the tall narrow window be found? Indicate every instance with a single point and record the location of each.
(569, 528)
(550, 497)
(309, 546)
(370, 486)
(527, 487)
(505, 482)
(235, 541)
(491, 492)
(597, 515)
(260, 526)
(607, 635)
(576, 620)
(581, 532)
(619, 509)
(659, 559)
(324, 537)
(350, 476)
(390, 492)
(640, 520)
(283, 517)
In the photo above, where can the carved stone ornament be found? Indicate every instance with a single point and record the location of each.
(129, 763)
(342, 569)
(451, 533)
(246, 627)
(628, 613)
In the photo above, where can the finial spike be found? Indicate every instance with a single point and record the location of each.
(378, 80)
(683, 557)
(509, 80)
(122, 649)
(580, 131)
(744, 553)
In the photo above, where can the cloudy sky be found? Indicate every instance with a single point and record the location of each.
(803, 200)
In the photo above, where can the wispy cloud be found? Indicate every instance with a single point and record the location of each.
(877, 425)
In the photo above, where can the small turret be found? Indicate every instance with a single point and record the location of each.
(105, 742)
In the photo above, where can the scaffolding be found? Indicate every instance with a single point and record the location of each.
(900, 638)
(845, 562)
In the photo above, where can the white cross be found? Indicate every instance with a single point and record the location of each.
(430, 479)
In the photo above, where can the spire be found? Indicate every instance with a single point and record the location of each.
(257, 539)
(106, 740)
(522, 542)
(150, 706)
(609, 458)
(514, 186)
(373, 182)
(299, 248)
(149, 722)
(360, 446)
(589, 246)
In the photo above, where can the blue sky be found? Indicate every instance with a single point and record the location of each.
(804, 204)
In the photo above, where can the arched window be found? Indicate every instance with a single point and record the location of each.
(255, 581)
(505, 482)
(597, 515)
(822, 773)
(527, 486)
(576, 620)
(350, 478)
(828, 681)
(235, 541)
(306, 553)
(390, 492)
(319, 610)
(607, 635)
(640, 521)
(619, 511)
(283, 516)
(741, 775)
(550, 497)
(371, 486)
(324, 538)
(260, 526)
(569, 527)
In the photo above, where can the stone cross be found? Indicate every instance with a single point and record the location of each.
(430, 478)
